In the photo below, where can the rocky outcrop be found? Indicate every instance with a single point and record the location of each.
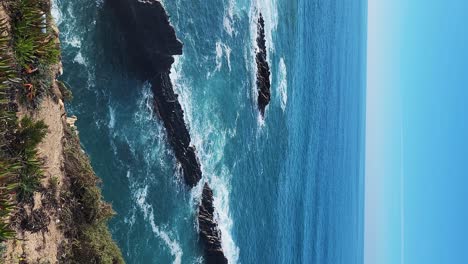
(148, 39)
(169, 110)
(263, 69)
(150, 43)
(209, 232)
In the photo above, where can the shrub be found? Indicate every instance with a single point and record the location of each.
(66, 92)
(29, 135)
(33, 41)
(35, 47)
(85, 216)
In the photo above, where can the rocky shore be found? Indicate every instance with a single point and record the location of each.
(150, 43)
(55, 213)
(209, 232)
(263, 69)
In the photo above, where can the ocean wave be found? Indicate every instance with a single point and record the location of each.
(111, 123)
(181, 86)
(144, 120)
(221, 191)
(140, 197)
(99, 3)
(80, 59)
(282, 92)
(228, 19)
(210, 140)
(219, 55)
(56, 13)
(269, 10)
(221, 50)
(67, 35)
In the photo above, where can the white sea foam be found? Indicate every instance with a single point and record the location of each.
(210, 152)
(144, 114)
(99, 3)
(111, 124)
(261, 120)
(269, 10)
(219, 55)
(223, 216)
(155, 136)
(227, 51)
(228, 19)
(140, 196)
(80, 59)
(182, 86)
(282, 92)
(73, 41)
(221, 49)
(56, 13)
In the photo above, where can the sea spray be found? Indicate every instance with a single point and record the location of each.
(282, 92)
(140, 197)
(210, 144)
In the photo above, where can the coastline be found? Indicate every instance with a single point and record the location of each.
(151, 57)
(46, 227)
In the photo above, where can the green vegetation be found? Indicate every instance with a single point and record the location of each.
(85, 218)
(33, 41)
(35, 47)
(20, 170)
(29, 53)
(65, 91)
(7, 186)
(9, 167)
(29, 135)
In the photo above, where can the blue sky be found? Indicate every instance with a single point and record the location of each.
(417, 132)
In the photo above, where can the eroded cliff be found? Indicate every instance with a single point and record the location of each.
(52, 209)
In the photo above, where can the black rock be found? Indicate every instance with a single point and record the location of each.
(169, 110)
(263, 69)
(149, 43)
(209, 232)
(148, 38)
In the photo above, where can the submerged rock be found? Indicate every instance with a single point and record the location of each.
(149, 44)
(263, 69)
(209, 232)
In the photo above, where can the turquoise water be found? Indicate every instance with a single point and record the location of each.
(288, 189)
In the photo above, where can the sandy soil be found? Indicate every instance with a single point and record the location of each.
(42, 246)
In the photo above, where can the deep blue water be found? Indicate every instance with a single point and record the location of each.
(288, 189)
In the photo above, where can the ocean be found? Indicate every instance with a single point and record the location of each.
(288, 188)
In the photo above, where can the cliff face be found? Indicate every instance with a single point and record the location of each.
(263, 69)
(62, 187)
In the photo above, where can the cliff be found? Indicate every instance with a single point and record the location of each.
(51, 207)
(263, 69)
